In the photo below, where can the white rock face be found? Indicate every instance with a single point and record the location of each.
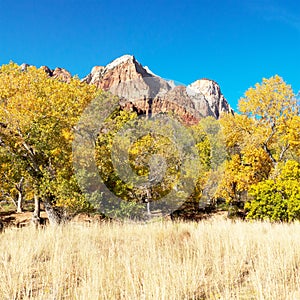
(206, 87)
(96, 74)
(211, 93)
(119, 61)
(150, 72)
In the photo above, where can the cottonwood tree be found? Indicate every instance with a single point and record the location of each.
(120, 154)
(261, 138)
(12, 183)
(148, 160)
(37, 116)
(273, 106)
(248, 162)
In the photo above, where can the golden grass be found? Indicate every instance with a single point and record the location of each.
(164, 260)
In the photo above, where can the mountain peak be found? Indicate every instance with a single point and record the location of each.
(123, 69)
(120, 60)
(149, 71)
(143, 91)
(210, 91)
(205, 86)
(58, 73)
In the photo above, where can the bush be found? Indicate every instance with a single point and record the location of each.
(277, 199)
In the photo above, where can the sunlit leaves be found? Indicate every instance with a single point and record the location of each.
(38, 115)
(263, 136)
(271, 101)
(277, 199)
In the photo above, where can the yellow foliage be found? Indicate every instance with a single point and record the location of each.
(263, 135)
(37, 114)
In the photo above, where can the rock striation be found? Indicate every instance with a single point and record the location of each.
(146, 93)
(143, 91)
(128, 79)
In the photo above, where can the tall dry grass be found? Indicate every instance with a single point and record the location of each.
(206, 260)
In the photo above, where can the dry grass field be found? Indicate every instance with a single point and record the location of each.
(212, 259)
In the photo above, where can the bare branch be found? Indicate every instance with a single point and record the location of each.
(284, 149)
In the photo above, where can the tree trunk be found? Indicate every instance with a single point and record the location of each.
(148, 208)
(36, 220)
(37, 206)
(148, 200)
(19, 202)
(55, 218)
(19, 188)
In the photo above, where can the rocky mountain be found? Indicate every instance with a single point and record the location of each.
(208, 91)
(58, 73)
(128, 79)
(143, 91)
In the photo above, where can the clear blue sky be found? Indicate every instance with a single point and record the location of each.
(236, 43)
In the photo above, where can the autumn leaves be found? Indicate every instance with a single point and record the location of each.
(251, 157)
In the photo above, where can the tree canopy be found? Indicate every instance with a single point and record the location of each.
(37, 116)
(249, 158)
(263, 142)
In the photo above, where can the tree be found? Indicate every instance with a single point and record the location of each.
(263, 136)
(37, 116)
(12, 182)
(277, 199)
(248, 162)
(147, 160)
(273, 106)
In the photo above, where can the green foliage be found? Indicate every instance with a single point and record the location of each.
(277, 199)
(103, 152)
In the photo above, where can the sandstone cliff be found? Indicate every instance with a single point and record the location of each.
(141, 90)
(147, 93)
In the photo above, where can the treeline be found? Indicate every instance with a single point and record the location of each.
(248, 160)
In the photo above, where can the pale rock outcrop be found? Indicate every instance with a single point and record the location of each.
(47, 70)
(24, 67)
(95, 75)
(209, 91)
(58, 73)
(62, 74)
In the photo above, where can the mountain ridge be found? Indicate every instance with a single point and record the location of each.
(147, 93)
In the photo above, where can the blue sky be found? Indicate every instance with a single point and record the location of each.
(235, 43)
